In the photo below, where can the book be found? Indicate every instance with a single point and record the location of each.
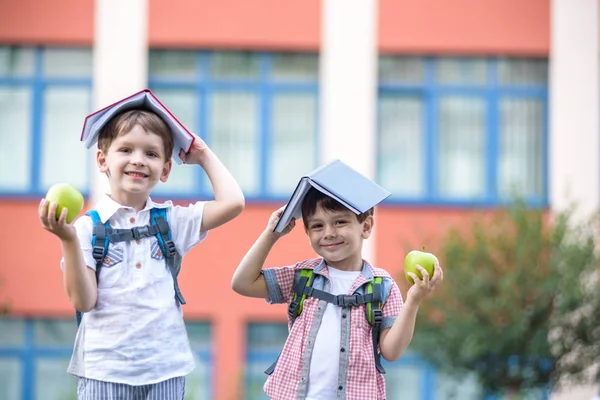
(337, 180)
(145, 99)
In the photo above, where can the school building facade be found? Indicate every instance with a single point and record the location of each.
(448, 104)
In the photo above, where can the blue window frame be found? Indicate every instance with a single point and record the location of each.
(34, 355)
(257, 111)
(44, 97)
(463, 131)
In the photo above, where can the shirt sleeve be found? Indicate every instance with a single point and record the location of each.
(83, 227)
(280, 282)
(391, 307)
(185, 223)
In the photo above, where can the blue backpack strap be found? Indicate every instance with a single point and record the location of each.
(158, 217)
(99, 246)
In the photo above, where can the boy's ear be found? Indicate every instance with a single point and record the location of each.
(101, 161)
(367, 227)
(166, 171)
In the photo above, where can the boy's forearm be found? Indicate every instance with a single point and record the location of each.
(80, 287)
(229, 198)
(247, 279)
(400, 334)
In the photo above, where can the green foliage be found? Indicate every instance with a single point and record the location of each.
(3, 306)
(520, 303)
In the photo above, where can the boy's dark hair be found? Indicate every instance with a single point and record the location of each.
(125, 122)
(314, 197)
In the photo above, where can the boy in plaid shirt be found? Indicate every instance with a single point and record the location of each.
(329, 351)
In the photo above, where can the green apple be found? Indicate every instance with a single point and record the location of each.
(416, 257)
(66, 196)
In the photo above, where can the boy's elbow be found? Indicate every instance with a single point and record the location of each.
(237, 287)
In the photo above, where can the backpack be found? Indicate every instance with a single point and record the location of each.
(372, 298)
(103, 235)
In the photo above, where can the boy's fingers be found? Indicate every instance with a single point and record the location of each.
(62, 219)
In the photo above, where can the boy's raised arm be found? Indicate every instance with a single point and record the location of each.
(247, 279)
(229, 199)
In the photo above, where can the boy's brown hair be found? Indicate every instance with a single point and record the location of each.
(314, 197)
(125, 122)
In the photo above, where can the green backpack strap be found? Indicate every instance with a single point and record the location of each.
(304, 279)
(375, 317)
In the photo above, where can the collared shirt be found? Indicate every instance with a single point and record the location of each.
(358, 377)
(135, 334)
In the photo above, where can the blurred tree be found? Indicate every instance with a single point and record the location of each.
(520, 303)
(3, 306)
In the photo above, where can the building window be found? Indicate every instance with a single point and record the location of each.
(34, 355)
(462, 130)
(44, 98)
(257, 111)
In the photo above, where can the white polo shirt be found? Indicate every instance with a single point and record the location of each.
(135, 334)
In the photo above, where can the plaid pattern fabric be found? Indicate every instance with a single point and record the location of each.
(363, 380)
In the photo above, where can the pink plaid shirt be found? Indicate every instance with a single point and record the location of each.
(362, 380)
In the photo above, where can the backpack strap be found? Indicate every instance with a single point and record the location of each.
(372, 298)
(158, 220)
(100, 241)
(304, 279)
(375, 317)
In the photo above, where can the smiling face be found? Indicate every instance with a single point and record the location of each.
(134, 162)
(337, 236)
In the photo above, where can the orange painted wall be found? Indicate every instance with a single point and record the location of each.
(32, 280)
(406, 26)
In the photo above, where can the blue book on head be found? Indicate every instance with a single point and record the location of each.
(340, 182)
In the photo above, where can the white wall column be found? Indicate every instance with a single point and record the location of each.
(120, 60)
(574, 159)
(348, 87)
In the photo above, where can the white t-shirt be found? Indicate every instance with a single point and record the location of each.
(135, 334)
(325, 360)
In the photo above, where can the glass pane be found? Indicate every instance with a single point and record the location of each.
(172, 63)
(448, 388)
(402, 168)
(200, 336)
(401, 69)
(234, 65)
(403, 381)
(267, 337)
(65, 109)
(264, 342)
(15, 138)
(198, 382)
(461, 70)
(523, 71)
(256, 378)
(184, 105)
(521, 147)
(17, 61)
(68, 62)
(293, 145)
(234, 135)
(10, 378)
(54, 333)
(52, 382)
(461, 147)
(295, 66)
(13, 332)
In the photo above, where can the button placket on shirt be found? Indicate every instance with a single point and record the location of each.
(139, 258)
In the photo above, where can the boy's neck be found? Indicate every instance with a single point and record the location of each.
(346, 265)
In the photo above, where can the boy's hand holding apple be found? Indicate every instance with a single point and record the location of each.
(422, 270)
(59, 208)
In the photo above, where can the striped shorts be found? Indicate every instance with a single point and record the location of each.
(171, 389)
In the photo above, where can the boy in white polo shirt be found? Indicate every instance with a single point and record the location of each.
(132, 341)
